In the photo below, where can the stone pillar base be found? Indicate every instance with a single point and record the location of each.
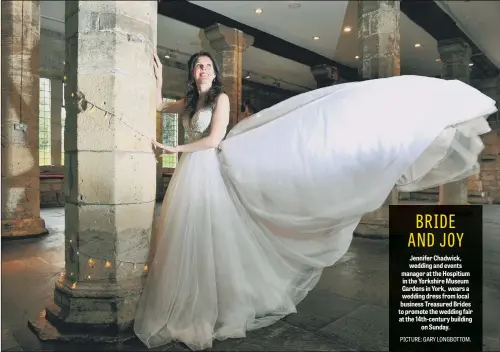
(23, 228)
(376, 224)
(372, 228)
(46, 331)
(454, 193)
(92, 312)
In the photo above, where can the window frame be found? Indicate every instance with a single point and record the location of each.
(45, 94)
(180, 135)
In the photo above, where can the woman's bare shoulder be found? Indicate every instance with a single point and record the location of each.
(222, 98)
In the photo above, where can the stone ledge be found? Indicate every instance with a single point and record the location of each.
(372, 230)
(23, 228)
(46, 331)
(100, 312)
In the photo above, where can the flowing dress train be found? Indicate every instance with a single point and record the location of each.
(246, 229)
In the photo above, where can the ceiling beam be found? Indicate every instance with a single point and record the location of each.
(431, 18)
(201, 17)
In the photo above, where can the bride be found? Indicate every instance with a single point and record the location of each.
(249, 221)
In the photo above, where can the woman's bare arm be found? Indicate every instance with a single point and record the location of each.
(171, 107)
(163, 106)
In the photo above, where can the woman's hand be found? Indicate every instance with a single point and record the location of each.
(166, 148)
(158, 69)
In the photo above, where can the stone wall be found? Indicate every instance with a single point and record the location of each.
(485, 187)
(51, 192)
(52, 53)
(486, 184)
(51, 186)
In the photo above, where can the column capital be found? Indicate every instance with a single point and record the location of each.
(222, 38)
(325, 75)
(454, 50)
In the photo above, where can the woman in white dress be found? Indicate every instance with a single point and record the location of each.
(249, 222)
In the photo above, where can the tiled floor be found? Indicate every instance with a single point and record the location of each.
(348, 311)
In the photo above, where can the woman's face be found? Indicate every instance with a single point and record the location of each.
(203, 71)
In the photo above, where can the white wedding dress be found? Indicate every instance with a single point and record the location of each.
(247, 228)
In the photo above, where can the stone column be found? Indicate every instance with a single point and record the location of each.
(455, 57)
(325, 75)
(20, 96)
(110, 97)
(229, 44)
(378, 39)
(55, 121)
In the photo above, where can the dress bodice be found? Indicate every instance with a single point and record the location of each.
(198, 126)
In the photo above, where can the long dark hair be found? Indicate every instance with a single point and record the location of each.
(251, 108)
(192, 95)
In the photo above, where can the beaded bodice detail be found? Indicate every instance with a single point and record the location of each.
(198, 126)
